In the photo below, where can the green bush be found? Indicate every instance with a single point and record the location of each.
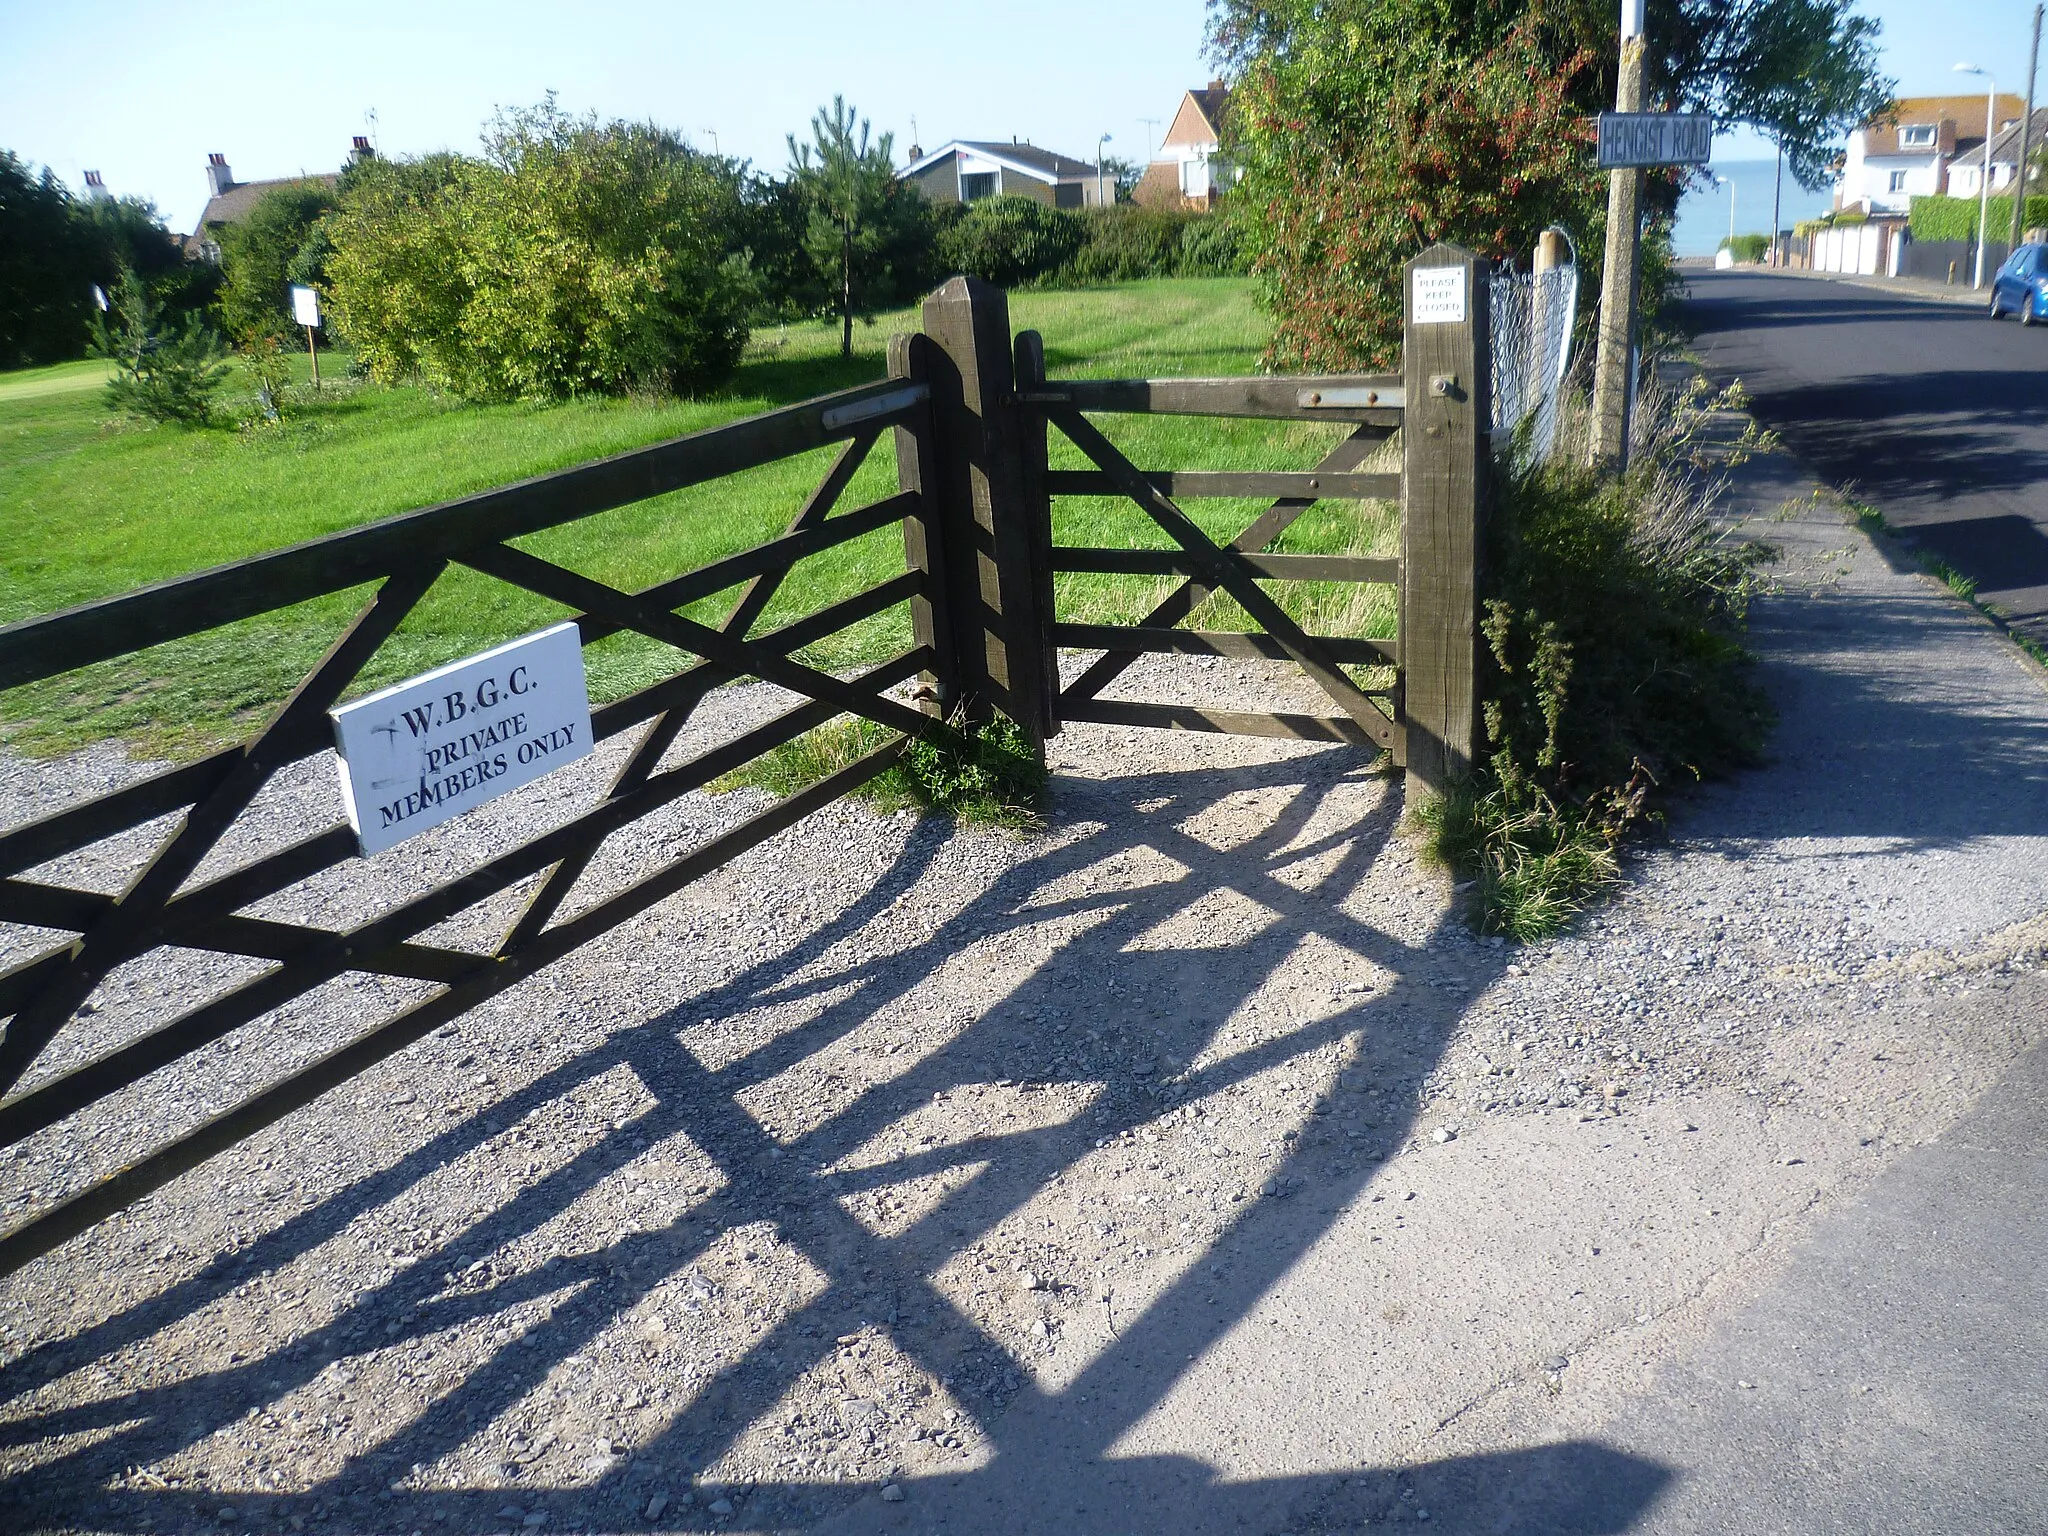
(1955, 218)
(1127, 242)
(575, 258)
(1747, 247)
(1209, 247)
(166, 368)
(260, 257)
(1010, 241)
(1616, 672)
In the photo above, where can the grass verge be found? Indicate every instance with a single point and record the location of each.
(1615, 671)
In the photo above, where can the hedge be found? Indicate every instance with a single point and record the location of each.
(1955, 218)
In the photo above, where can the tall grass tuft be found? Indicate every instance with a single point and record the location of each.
(1614, 669)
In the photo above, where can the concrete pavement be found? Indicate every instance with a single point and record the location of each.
(1932, 412)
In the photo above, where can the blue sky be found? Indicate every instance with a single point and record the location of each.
(144, 91)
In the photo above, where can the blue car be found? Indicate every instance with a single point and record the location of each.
(2021, 285)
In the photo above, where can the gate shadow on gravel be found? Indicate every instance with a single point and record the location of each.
(1050, 1463)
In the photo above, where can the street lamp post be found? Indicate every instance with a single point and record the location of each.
(1100, 201)
(1729, 183)
(1984, 171)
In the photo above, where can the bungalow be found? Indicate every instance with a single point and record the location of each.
(1911, 153)
(229, 201)
(967, 171)
(1190, 172)
(1966, 171)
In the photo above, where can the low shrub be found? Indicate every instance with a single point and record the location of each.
(1127, 242)
(1010, 241)
(1747, 247)
(1615, 670)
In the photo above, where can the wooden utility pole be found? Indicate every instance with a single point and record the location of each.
(2019, 174)
(1614, 366)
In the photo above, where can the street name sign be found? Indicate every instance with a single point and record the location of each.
(424, 751)
(1632, 139)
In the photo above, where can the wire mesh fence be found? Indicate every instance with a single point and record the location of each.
(1532, 318)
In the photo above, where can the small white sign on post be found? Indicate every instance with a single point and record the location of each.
(424, 751)
(1438, 297)
(306, 307)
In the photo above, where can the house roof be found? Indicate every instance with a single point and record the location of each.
(233, 205)
(1951, 115)
(1199, 118)
(2005, 144)
(1027, 159)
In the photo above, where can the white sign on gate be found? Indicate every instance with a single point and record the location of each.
(424, 751)
(1438, 297)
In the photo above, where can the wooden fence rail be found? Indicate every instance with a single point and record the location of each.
(971, 411)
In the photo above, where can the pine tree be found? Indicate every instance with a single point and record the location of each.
(855, 204)
(164, 370)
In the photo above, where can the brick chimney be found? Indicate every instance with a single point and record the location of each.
(359, 150)
(95, 185)
(219, 178)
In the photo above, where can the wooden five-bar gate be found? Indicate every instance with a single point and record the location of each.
(971, 411)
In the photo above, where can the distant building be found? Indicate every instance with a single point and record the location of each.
(1190, 171)
(229, 201)
(967, 171)
(1966, 171)
(1911, 156)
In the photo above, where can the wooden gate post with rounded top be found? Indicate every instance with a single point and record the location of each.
(1445, 443)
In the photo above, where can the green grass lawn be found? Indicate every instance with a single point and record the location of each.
(90, 505)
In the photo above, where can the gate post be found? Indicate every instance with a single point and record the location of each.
(983, 506)
(1445, 449)
(924, 540)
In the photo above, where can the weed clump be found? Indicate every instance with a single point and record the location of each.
(983, 775)
(1615, 671)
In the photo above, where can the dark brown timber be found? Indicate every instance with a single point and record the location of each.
(1184, 484)
(1444, 464)
(1274, 399)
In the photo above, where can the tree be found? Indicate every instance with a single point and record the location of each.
(165, 367)
(1369, 147)
(45, 289)
(1369, 128)
(861, 218)
(395, 284)
(1124, 174)
(1810, 73)
(260, 257)
(574, 257)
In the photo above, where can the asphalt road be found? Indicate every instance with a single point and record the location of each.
(1929, 411)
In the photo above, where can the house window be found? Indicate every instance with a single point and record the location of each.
(975, 185)
(1917, 136)
(1896, 182)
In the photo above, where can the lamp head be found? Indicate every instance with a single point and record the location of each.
(1968, 69)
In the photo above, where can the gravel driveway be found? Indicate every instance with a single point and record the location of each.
(1187, 1162)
